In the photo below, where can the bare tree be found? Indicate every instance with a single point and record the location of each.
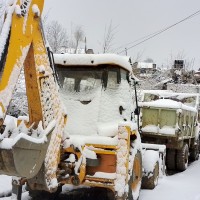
(138, 56)
(109, 36)
(56, 36)
(78, 36)
(149, 60)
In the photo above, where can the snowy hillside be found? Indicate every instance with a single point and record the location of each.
(184, 186)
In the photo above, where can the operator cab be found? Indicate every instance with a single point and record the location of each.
(96, 92)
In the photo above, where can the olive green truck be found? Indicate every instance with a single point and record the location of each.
(171, 119)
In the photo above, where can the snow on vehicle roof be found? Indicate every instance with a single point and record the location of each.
(163, 103)
(93, 60)
(157, 92)
(170, 94)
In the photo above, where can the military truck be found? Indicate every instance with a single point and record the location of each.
(171, 119)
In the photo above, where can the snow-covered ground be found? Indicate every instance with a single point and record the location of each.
(184, 186)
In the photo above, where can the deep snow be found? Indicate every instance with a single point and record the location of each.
(184, 186)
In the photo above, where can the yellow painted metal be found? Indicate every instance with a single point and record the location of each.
(26, 47)
(107, 152)
(102, 149)
(32, 88)
(128, 151)
(102, 146)
(101, 180)
(23, 30)
(82, 172)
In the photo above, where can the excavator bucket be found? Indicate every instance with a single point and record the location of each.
(25, 157)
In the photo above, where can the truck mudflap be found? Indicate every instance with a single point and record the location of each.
(24, 155)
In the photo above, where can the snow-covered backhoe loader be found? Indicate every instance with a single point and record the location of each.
(104, 147)
(97, 93)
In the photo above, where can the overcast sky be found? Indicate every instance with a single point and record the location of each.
(134, 19)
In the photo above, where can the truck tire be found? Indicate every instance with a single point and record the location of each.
(199, 144)
(151, 182)
(170, 159)
(182, 158)
(136, 177)
(194, 152)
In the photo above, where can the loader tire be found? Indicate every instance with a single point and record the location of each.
(182, 158)
(44, 195)
(194, 153)
(170, 159)
(136, 177)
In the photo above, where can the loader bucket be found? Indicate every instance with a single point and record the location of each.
(25, 158)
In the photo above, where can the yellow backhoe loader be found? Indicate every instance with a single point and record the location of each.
(99, 146)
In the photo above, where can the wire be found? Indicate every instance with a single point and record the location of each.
(150, 36)
(122, 46)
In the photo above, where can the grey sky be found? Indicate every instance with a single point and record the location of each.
(134, 19)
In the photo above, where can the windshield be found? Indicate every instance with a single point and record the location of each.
(84, 79)
(80, 81)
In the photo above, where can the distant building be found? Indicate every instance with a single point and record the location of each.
(71, 50)
(178, 64)
(144, 69)
(197, 76)
(89, 51)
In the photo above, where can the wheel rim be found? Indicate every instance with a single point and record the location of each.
(136, 173)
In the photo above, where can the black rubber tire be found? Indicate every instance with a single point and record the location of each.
(170, 159)
(194, 152)
(150, 183)
(88, 193)
(199, 144)
(134, 177)
(182, 158)
(199, 147)
(44, 195)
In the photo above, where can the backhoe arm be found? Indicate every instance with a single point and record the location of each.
(26, 48)
(24, 35)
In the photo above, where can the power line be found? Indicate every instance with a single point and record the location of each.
(150, 36)
(139, 39)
